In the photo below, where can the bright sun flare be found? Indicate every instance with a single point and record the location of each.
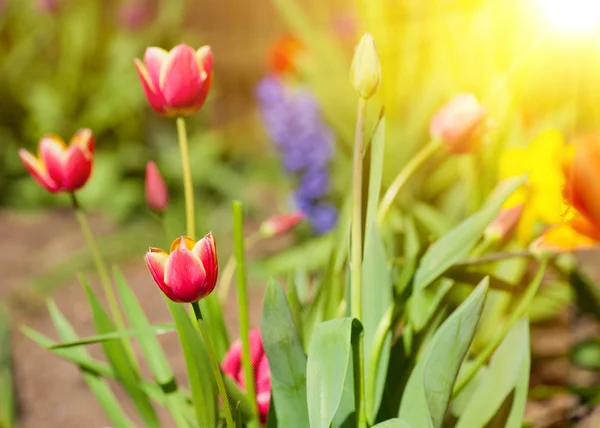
(572, 15)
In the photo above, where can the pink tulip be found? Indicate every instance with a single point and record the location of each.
(157, 195)
(458, 123)
(62, 168)
(176, 83)
(280, 224)
(232, 366)
(189, 273)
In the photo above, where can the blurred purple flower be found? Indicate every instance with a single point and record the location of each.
(292, 119)
(132, 14)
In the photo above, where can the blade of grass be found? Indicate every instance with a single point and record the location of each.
(7, 398)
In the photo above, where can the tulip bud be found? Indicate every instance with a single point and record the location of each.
(132, 14)
(504, 224)
(365, 72)
(189, 272)
(232, 366)
(280, 224)
(62, 168)
(176, 83)
(458, 124)
(157, 195)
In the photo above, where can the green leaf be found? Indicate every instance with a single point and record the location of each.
(430, 385)
(422, 305)
(515, 417)
(151, 330)
(501, 379)
(286, 261)
(586, 354)
(456, 244)
(375, 171)
(393, 423)
(97, 385)
(215, 322)
(7, 398)
(201, 377)
(152, 351)
(118, 358)
(329, 356)
(287, 360)
(412, 246)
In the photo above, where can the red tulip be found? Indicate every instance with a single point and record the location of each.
(157, 195)
(458, 123)
(176, 83)
(189, 273)
(280, 224)
(232, 366)
(62, 168)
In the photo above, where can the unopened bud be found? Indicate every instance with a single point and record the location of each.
(157, 195)
(504, 224)
(280, 224)
(365, 72)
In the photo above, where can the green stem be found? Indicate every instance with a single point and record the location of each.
(519, 312)
(102, 269)
(242, 292)
(229, 271)
(359, 382)
(214, 363)
(356, 241)
(187, 179)
(401, 179)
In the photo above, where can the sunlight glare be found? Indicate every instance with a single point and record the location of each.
(572, 15)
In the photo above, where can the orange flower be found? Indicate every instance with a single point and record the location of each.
(283, 53)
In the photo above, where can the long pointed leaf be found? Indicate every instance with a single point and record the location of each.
(287, 361)
(117, 356)
(7, 398)
(97, 385)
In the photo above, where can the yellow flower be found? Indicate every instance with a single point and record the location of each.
(541, 195)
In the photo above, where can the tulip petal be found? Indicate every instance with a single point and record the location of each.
(84, 139)
(37, 169)
(185, 276)
(77, 168)
(232, 361)
(206, 250)
(53, 154)
(181, 79)
(157, 261)
(157, 195)
(204, 57)
(184, 242)
(154, 59)
(153, 94)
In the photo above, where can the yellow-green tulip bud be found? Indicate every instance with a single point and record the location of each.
(365, 73)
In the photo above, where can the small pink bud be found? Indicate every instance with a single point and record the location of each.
(458, 123)
(504, 224)
(232, 366)
(62, 168)
(189, 272)
(280, 224)
(132, 14)
(157, 195)
(176, 83)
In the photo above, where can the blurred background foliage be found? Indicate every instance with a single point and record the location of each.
(67, 64)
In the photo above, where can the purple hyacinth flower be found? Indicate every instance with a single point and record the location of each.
(314, 183)
(323, 217)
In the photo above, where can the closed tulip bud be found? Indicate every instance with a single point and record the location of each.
(365, 72)
(157, 195)
(176, 83)
(458, 124)
(280, 224)
(60, 167)
(504, 224)
(189, 272)
(232, 366)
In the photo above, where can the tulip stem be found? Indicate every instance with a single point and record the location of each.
(214, 363)
(242, 292)
(356, 241)
(102, 271)
(356, 259)
(187, 179)
(229, 270)
(403, 176)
